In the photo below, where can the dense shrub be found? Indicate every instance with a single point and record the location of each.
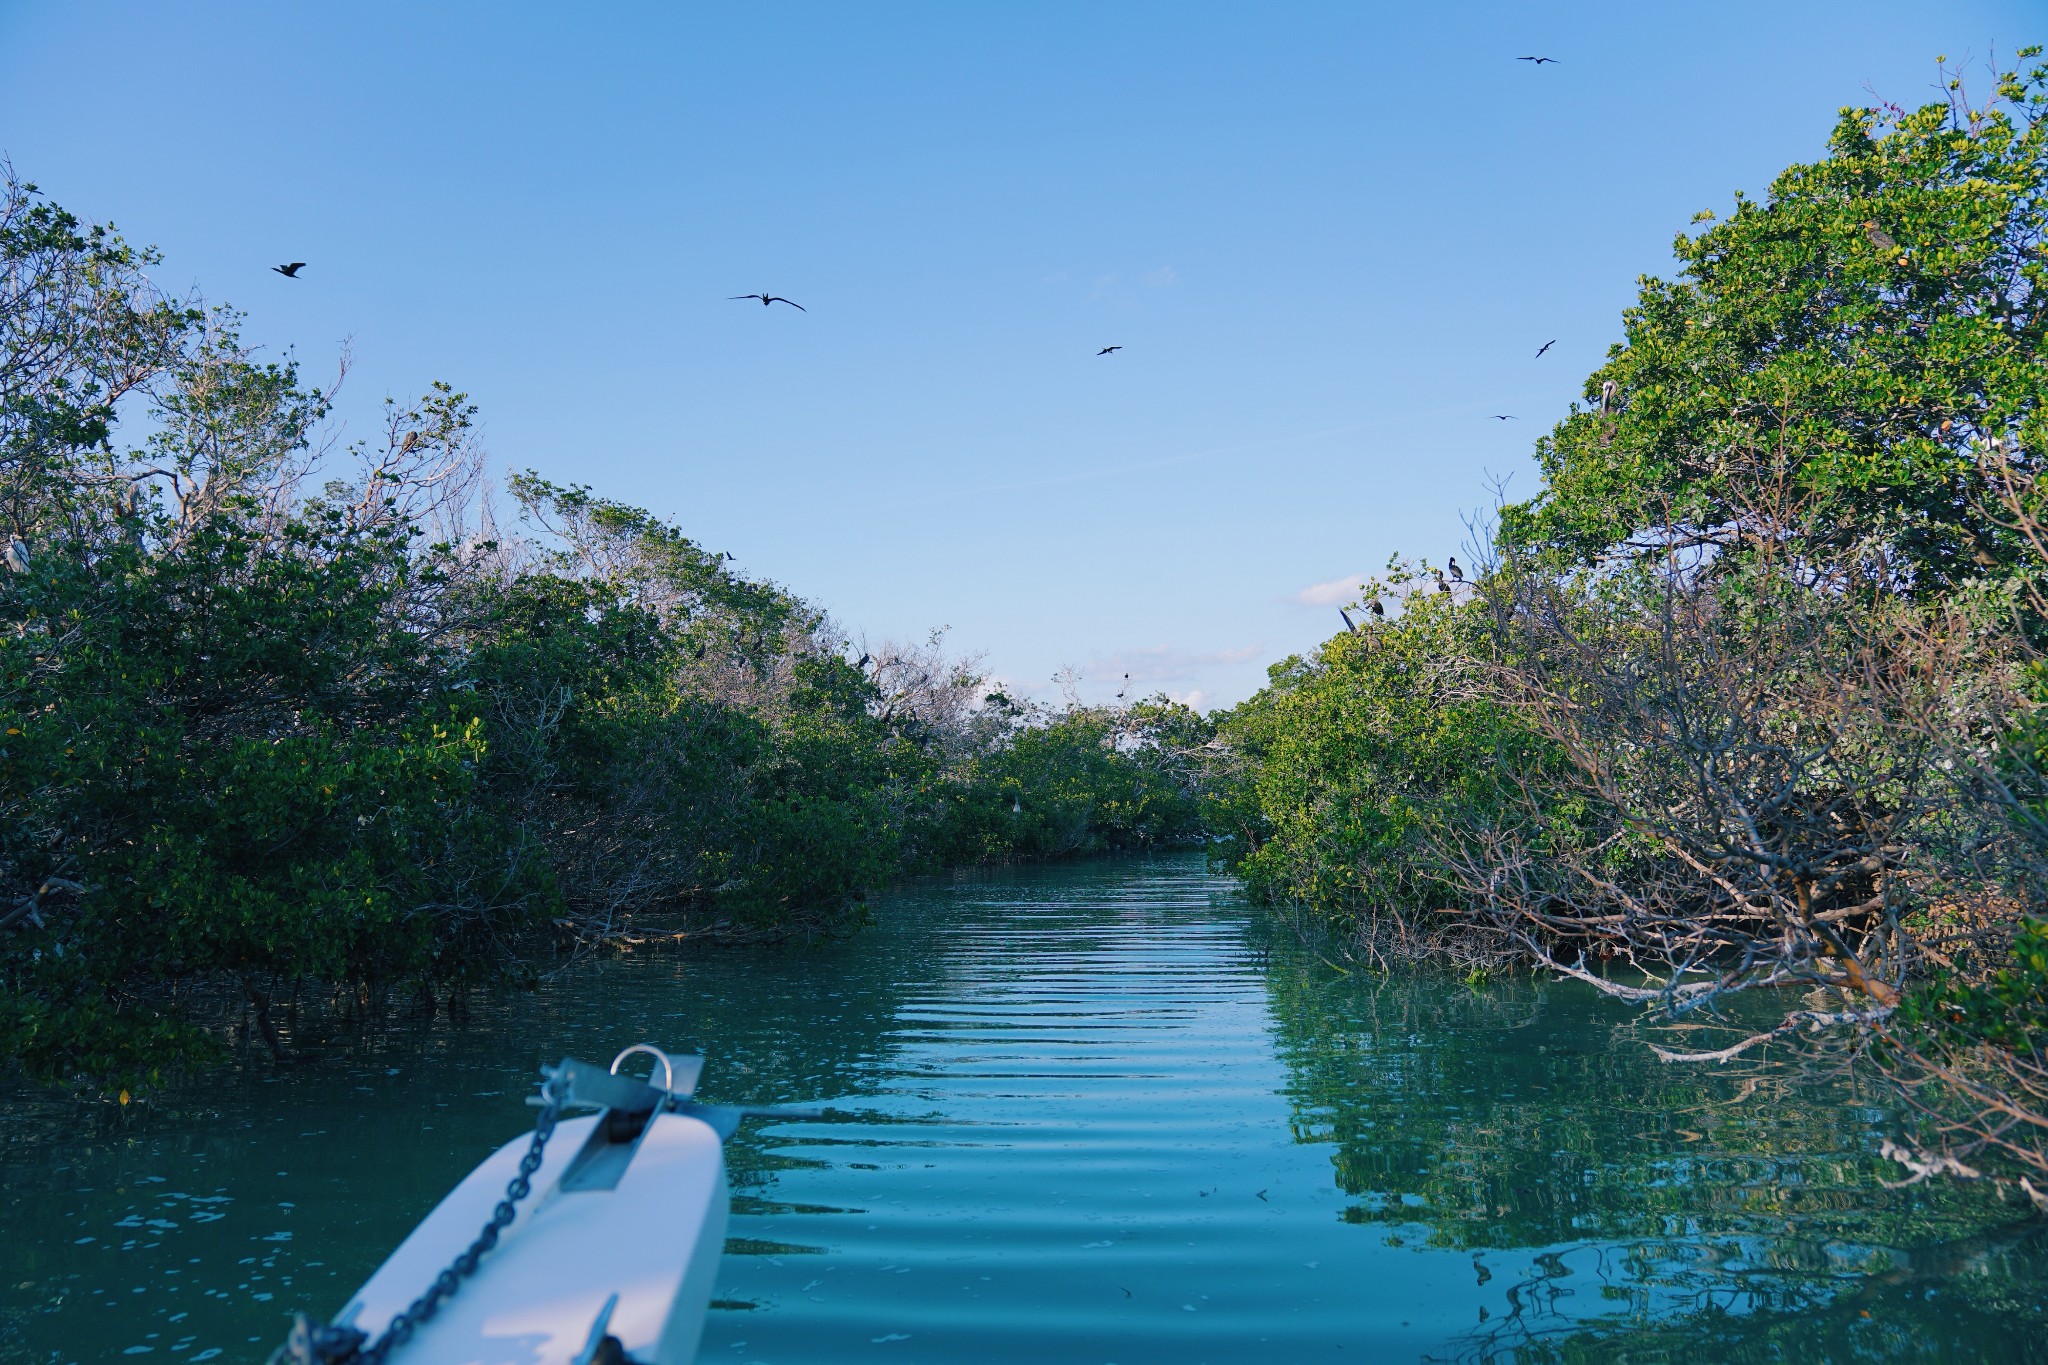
(319, 731)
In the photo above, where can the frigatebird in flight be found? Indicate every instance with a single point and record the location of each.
(291, 271)
(1107, 349)
(1540, 60)
(1505, 417)
(1544, 347)
(767, 299)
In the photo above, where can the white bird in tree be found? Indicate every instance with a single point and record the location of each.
(17, 555)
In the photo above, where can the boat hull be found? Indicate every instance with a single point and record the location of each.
(647, 1225)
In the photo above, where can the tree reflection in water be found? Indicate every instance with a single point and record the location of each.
(1641, 1211)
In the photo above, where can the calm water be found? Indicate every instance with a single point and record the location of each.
(1089, 1114)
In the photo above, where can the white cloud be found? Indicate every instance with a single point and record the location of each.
(1162, 278)
(1331, 592)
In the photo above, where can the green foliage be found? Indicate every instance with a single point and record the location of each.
(1749, 693)
(1089, 780)
(1867, 322)
(285, 744)
(2007, 1008)
(1363, 763)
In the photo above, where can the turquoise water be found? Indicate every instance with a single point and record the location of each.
(1099, 1113)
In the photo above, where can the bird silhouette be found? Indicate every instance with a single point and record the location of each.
(1347, 620)
(1456, 572)
(291, 270)
(1544, 347)
(767, 299)
(1378, 610)
(1505, 417)
(1441, 584)
(862, 662)
(1540, 60)
(1107, 349)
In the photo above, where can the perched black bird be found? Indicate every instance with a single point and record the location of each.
(1378, 610)
(1441, 584)
(1540, 60)
(767, 299)
(1544, 347)
(1347, 620)
(291, 271)
(1456, 572)
(1505, 417)
(1107, 349)
(863, 661)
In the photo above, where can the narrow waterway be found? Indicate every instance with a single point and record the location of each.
(1099, 1113)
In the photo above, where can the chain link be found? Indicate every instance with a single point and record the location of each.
(314, 1343)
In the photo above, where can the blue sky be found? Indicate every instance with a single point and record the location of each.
(1330, 238)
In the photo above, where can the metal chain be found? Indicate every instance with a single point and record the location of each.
(313, 1343)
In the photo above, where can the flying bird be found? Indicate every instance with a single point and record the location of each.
(1505, 417)
(767, 299)
(1544, 347)
(1540, 60)
(291, 270)
(1107, 349)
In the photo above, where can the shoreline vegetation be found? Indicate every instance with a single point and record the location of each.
(311, 730)
(1747, 700)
